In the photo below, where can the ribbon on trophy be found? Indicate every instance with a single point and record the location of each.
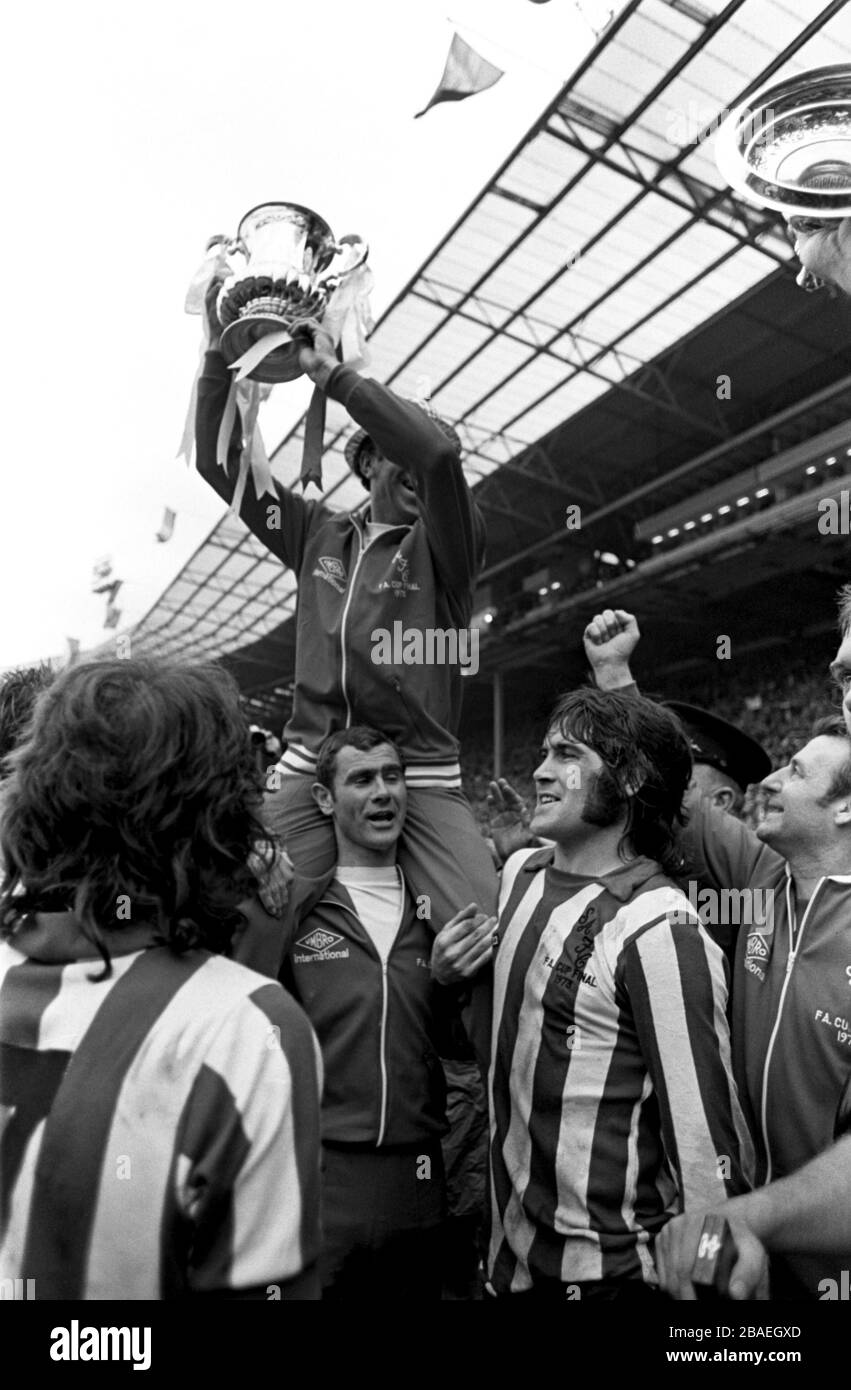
(213, 267)
(244, 396)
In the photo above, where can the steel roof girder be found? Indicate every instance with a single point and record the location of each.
(690, 203)
(589, 491)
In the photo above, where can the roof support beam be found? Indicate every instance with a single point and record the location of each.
(692, 465)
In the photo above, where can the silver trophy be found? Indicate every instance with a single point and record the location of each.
(788, 147)
(289, 268)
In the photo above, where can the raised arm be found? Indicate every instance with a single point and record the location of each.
(610, 639)
(280, 522)
(719, 848)
(407, 436)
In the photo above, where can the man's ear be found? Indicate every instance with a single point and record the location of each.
(842, 814)
(724, 798)
(323, 798)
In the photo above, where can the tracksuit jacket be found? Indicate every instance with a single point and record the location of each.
(378, 1027)
(791, 1010)
(421, 576)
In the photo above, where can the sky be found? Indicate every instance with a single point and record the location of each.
(135, 132)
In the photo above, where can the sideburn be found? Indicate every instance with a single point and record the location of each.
(604, 802)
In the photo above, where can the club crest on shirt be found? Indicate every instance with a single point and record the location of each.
(400, 581)
(571, 970)
(332, 571)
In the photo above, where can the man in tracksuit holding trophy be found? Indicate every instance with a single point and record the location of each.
(411, 554)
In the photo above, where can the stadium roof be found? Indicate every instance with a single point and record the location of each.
(557, 310)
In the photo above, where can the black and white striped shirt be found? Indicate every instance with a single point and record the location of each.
(160, 1128)
(612, 1101)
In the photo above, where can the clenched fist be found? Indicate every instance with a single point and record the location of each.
(610, 639)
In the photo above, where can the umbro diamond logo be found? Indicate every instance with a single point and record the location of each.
(319, 941)
(332, 571)
(756, 946)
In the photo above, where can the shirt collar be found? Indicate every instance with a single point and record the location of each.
(621, 883)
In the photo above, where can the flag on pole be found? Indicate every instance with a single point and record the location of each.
(111, 589)
(466, 73)
(166, 530)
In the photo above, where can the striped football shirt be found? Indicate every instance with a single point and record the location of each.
(611, 1095)
(160, 1128)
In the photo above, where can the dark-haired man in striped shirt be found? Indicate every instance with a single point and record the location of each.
(612, 1101)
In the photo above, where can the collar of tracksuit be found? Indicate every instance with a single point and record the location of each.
(305, 893)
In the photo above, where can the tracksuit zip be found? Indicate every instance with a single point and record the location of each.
(382, 1051)
(382, 1123)
(346, 607)
(795, 939)
(362, 549)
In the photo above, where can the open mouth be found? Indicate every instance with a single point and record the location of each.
(545, 799)
(381, 818)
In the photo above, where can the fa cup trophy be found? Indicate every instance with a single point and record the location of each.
(288, 275)
(283, 276)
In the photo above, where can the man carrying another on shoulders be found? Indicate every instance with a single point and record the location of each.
(407, 559)
(357, 959)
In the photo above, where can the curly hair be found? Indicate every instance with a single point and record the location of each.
(135, 786)
(19, 691)
(648, 763)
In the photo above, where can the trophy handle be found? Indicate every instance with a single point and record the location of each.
(236, 247)
(351, 253)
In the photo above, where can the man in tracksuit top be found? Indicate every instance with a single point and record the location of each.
(357, 958)
(404, 563)
(789, 885)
